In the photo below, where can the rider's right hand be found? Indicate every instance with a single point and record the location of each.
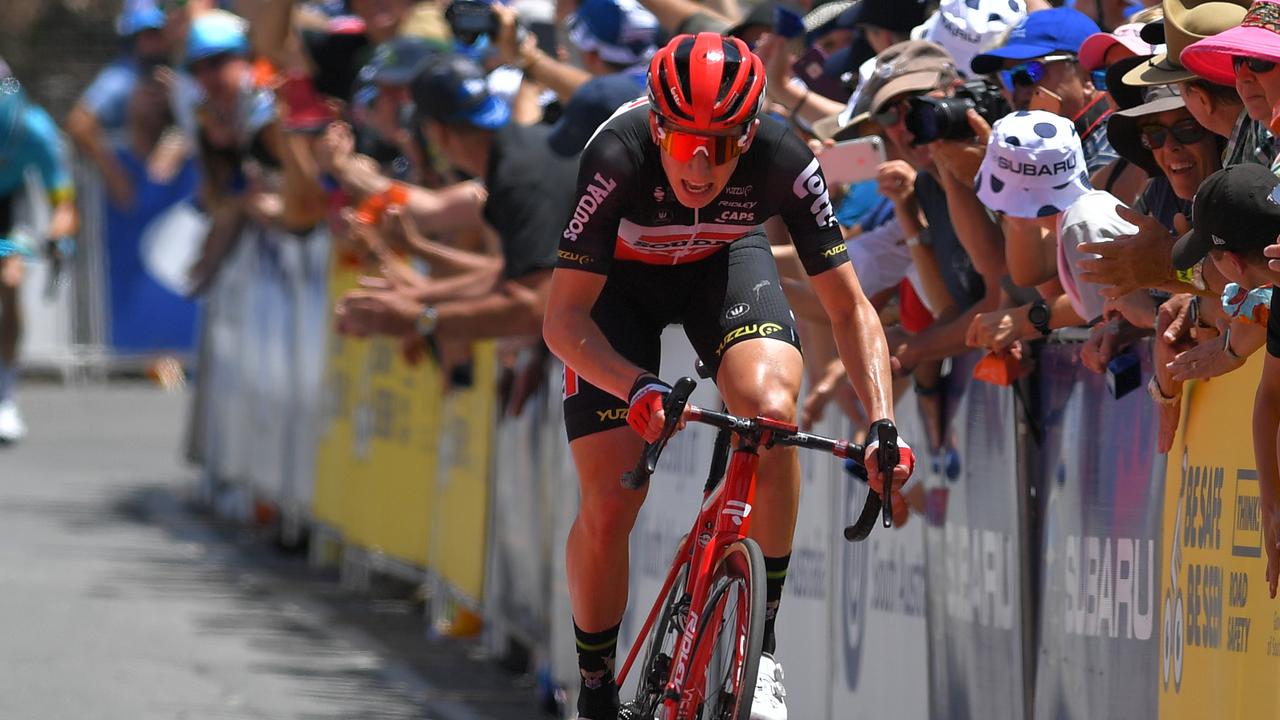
(644, 413)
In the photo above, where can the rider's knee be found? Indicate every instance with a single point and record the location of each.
(609, 514)
(771, 400)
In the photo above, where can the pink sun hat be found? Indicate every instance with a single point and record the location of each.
(1258, 35)
(1095, 47)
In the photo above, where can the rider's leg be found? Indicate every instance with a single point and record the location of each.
(597, 560)
(762, 377)
(11, 272)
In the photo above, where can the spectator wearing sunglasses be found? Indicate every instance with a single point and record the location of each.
(1247, 56)
(1040, 69)
(934, 201)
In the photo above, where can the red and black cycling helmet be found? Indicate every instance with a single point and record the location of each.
(706, 83)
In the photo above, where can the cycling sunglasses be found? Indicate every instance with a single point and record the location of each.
(683, 146)
(1256, 65)
(1030, 72)
(1186, 131)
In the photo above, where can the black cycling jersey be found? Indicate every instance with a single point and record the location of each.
(626, 209)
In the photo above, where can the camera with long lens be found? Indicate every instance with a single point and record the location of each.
(469, 19)
(930, 119)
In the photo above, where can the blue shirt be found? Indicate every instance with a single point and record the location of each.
(107, 97)
(593, 104)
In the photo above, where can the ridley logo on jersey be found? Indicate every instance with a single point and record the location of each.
(592, 196)
(810, 182)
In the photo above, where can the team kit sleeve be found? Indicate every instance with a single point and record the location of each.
(591, 231)
(806, 207)
(50, 156)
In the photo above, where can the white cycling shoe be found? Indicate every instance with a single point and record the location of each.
(769, 701)
(12, 429)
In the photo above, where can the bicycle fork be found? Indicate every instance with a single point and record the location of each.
(719, 525)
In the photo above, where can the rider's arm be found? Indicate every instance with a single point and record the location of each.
(53, 163)
(859, 338)
(586, 253)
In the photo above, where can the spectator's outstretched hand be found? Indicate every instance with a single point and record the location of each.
(507, 43)
(997, 331)
(336, 148)
(1210, 358)
(1102, 345)
(897, 180)
(1131, 262)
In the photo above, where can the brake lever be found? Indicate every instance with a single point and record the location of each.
(887, 457)
(673, 408)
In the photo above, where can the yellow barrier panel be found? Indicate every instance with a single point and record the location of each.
(1220, 645)
(377, 452)
(462, 486)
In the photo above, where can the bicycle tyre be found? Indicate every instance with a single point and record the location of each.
(740, 577)
(660, 649)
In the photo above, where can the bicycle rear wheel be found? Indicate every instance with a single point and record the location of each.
(730, 634)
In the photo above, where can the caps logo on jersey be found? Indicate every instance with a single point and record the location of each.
(810, 182)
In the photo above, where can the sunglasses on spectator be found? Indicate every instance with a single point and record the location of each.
(1256, 65)
(1186, 131)
(1029, 73)
(683, 145)
(891, 115)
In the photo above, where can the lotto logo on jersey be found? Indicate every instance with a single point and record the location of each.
(810, 183)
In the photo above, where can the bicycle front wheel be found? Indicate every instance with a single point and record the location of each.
(730, 634)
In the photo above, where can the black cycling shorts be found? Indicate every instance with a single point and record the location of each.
(732, 296)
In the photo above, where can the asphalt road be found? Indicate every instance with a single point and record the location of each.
(120, 599)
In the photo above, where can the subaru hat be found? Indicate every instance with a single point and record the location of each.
(452, 89)
(896, 15)
(1236, 209)
(1040, 33)
(621, 32)
(1034, 165)
(965, 27)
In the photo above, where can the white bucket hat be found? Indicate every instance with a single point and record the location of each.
(1034, 165)
(966, 27)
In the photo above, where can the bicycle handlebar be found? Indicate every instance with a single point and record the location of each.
(674, 407)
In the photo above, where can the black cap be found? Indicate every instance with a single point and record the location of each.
(1235, 209)
(1125, 96)
(1153, 33)
(897, 15)
(453, 89)
(398, 61)
(760, 15)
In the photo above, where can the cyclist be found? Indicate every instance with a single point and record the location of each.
(28, 140)
(671, 194)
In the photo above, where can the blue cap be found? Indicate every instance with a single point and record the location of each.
(139, 16)
(1040, 33)
(216, 33)
(622, 32)
(453, 89)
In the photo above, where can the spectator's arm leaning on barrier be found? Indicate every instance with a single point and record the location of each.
(560, 77)
(456, 207)
(1134, 262)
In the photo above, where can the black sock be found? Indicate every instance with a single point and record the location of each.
(775, 572)
(598, 699)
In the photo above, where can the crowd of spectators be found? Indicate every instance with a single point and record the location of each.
(1112, 171)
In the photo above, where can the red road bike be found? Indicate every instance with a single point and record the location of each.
(705, 630)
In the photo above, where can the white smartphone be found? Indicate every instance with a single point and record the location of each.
(852, 160)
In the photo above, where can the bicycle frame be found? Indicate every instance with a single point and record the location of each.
(724, 518)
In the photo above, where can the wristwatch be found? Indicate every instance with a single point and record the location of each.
(427, 320)
(1038, 316)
